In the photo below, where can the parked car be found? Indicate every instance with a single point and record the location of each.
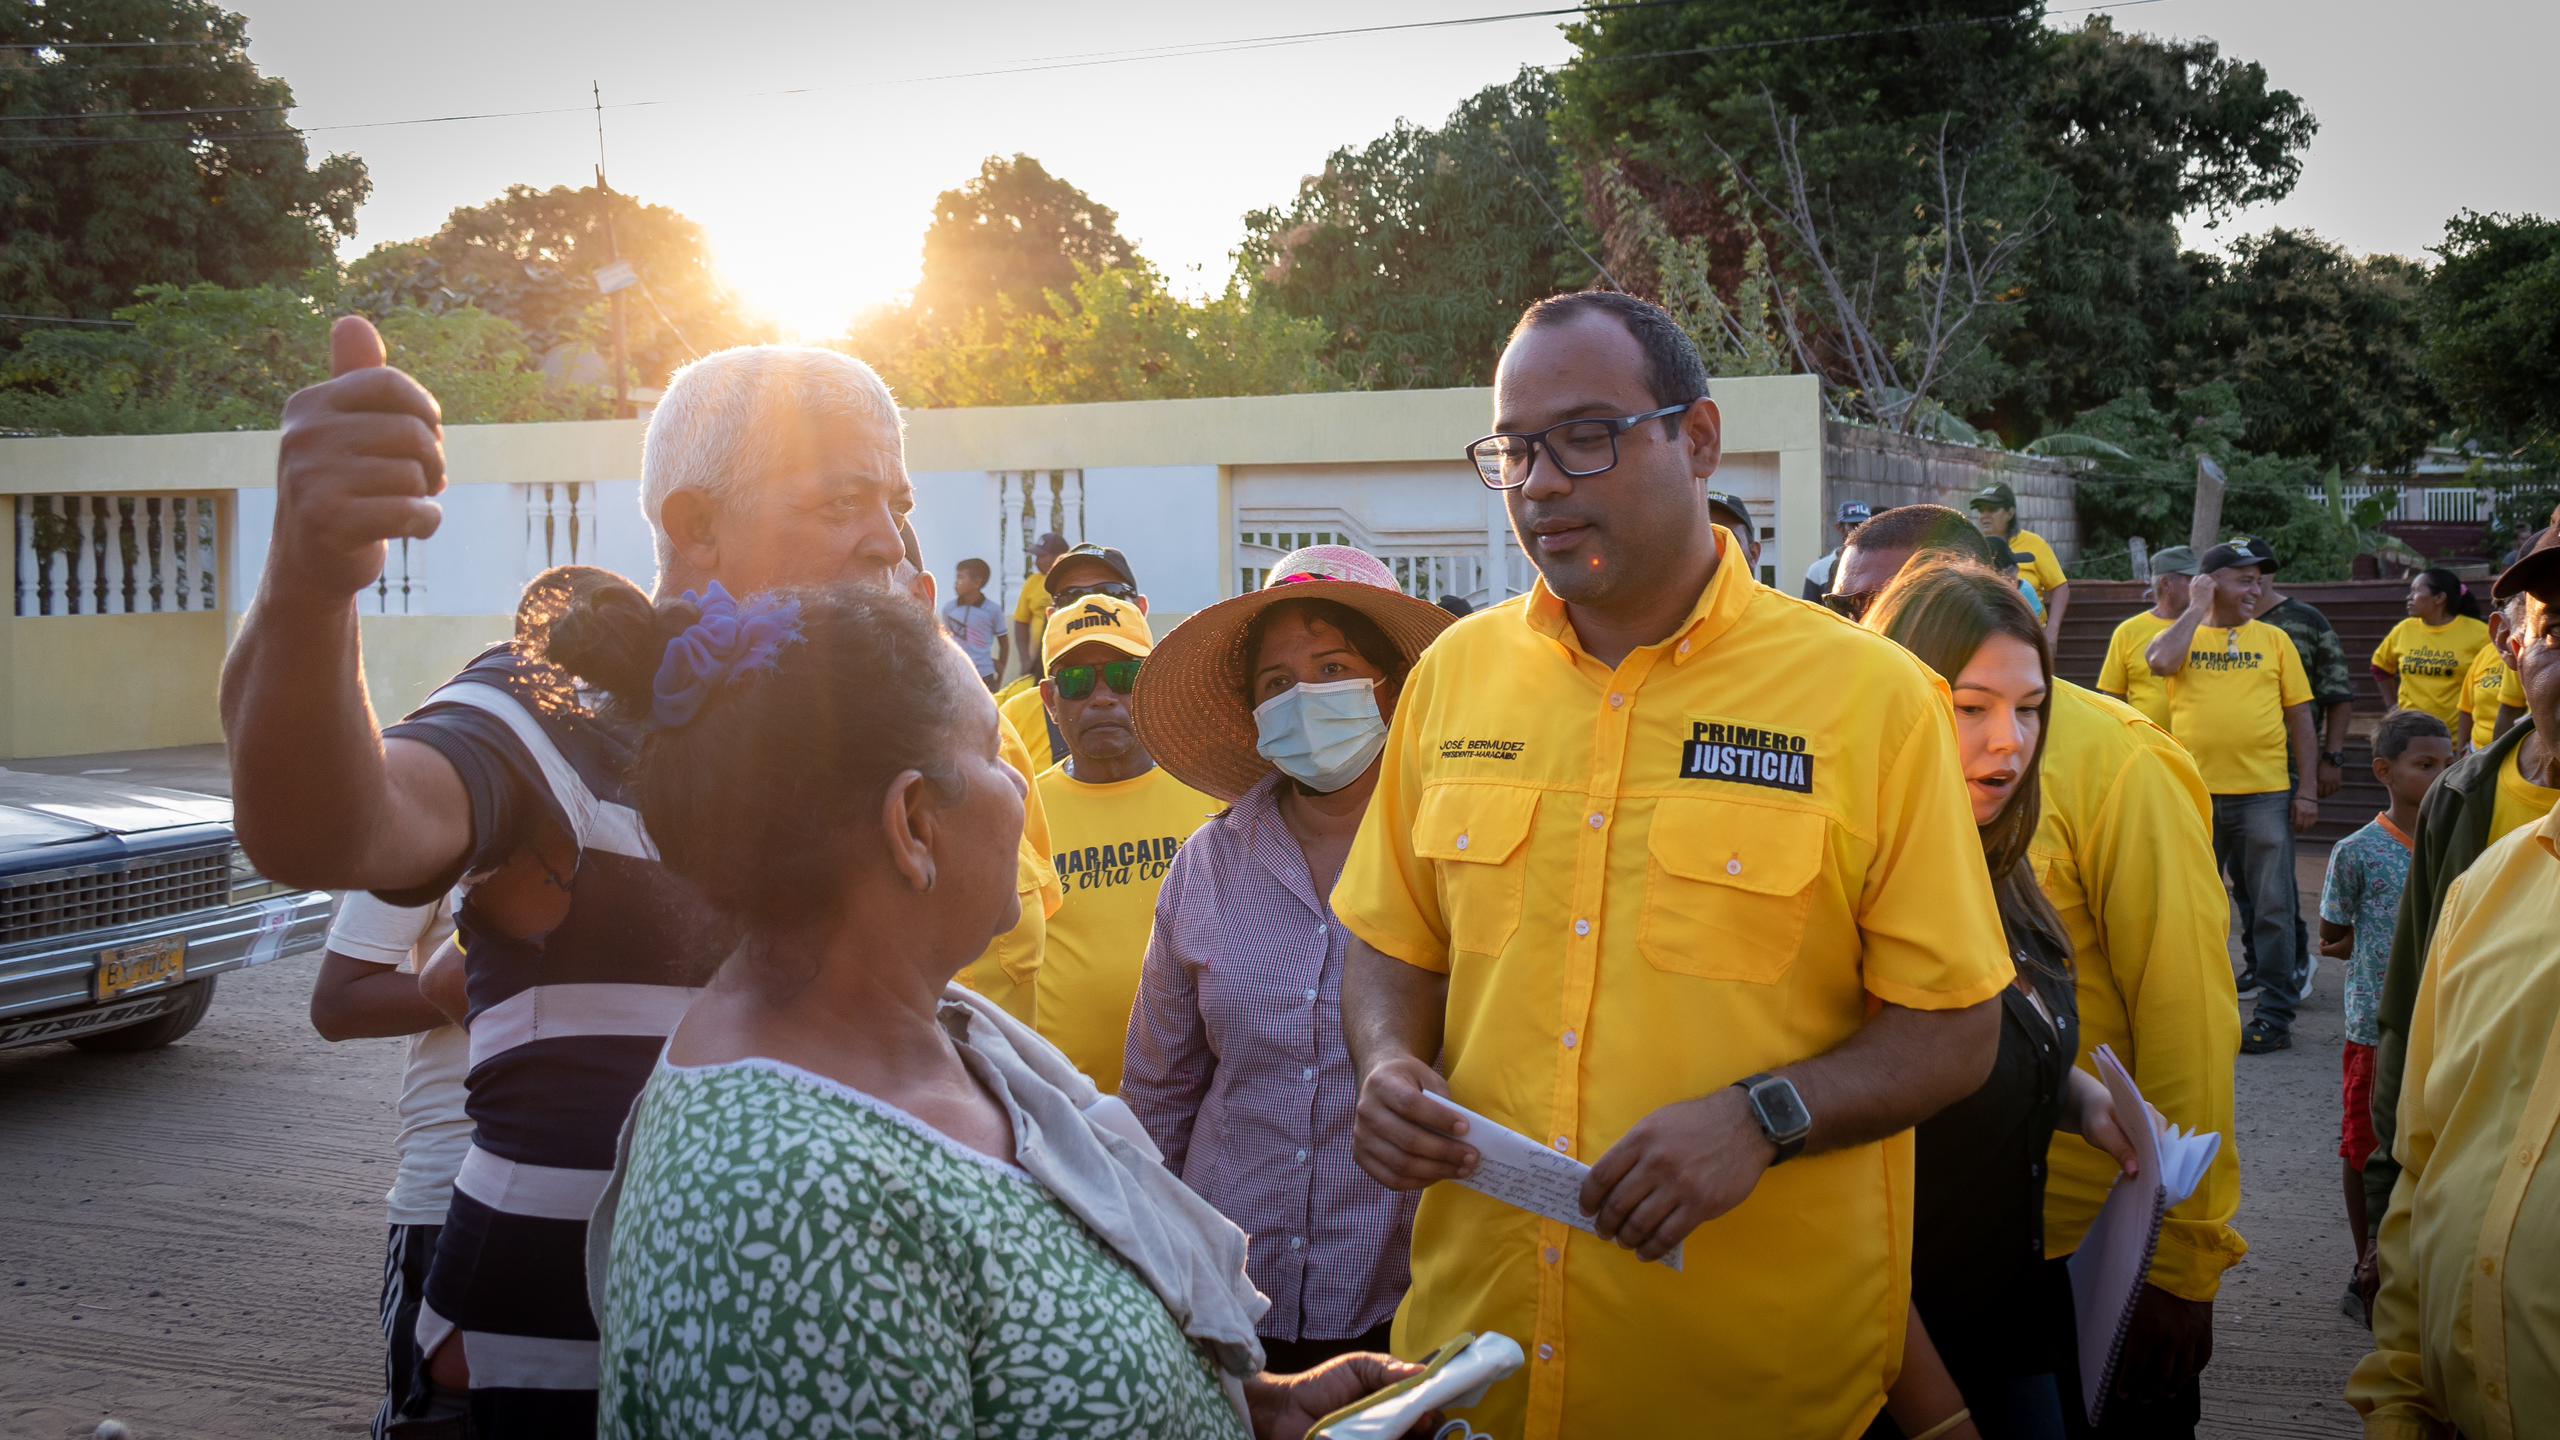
(119, 904)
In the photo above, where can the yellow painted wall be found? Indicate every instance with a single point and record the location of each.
(82, 684)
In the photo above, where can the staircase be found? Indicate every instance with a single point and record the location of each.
(2363, 612)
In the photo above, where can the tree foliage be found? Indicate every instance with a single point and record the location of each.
(2147, 487)
(531, 255)
(2493, 325)
(1418, 250)
(1115, 334)
(94, 207)
(1013, 233)
(201, 357)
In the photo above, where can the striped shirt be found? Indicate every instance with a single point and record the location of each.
(564, 1028)
(1237, 1067)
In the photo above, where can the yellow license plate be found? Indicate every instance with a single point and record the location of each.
(131, 967)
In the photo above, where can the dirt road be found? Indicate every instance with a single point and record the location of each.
(191, 1240)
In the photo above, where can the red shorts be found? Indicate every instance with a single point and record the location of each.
(2356, 1140)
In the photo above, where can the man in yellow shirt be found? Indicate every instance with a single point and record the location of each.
(2125, 674)
(2124, 850)
(2487, 710)
(1075, 573)
(1995, 510)
(1678, 876)
(2239, 700)
(1031, 607)
(2466, 1331)
(1116, 820)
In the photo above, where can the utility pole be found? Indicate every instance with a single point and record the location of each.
(614, 269)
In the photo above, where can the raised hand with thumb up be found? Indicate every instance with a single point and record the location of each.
(362, 457)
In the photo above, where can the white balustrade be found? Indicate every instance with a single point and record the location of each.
(115, 601)
(114, 554)
(167, 593)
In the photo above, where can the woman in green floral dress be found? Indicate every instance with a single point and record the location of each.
(855, 1200)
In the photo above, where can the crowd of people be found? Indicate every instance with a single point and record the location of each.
(812, 1033)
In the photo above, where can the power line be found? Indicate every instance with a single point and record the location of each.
(65, 320)
(1084, 60)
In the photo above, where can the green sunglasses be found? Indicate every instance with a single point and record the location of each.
(1075, 682)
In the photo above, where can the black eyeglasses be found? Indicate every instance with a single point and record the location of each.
(1117, 590)
(1579, 448)
(1075, 682)
(1851, 606)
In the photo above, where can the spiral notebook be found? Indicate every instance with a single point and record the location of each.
(2108, 1269)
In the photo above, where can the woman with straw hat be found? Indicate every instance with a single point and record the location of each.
(1276, 702)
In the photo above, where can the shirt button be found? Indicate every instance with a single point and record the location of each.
(1309, 1073)
(1462, 842)
(1564, 1144)
(1733, 866)
(1684, 647)
(2488, 1267)
(1546, 1352)
(1571, 1039)
(1598, 819)
(1617, 702)
(1297, 1242)
(1311, 994)
(1321, 932)
(1554, 1255)
(1302, 1157)
(1581, 927)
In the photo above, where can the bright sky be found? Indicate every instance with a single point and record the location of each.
(816, 203)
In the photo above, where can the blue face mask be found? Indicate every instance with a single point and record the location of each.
(1322, 736)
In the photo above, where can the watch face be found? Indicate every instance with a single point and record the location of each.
(1781, 1109)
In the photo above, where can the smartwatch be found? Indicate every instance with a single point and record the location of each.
(1780, 1112)
(2334, 757)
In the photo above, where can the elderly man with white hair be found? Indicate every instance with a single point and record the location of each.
(763, 467)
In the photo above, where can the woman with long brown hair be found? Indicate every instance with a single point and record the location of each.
(1983, 1350)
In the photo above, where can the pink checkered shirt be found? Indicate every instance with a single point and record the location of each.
(1237, 1067)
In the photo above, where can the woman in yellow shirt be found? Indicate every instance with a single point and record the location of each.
(2425, 657)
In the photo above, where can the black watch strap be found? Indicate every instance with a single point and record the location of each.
(1789, 1143)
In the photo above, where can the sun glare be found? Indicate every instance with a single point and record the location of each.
(813, 279)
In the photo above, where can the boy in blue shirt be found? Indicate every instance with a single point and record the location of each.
(2359, 904)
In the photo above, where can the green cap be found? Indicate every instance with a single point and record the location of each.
(1996, 496)
(2174, 560)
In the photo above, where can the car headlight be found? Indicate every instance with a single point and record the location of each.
(247, 884)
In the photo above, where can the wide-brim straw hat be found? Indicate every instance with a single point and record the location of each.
(1190, 708)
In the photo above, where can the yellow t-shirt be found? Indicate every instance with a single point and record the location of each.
(2126, 673)
(1030, 720)
(2125, 853)
(2520, 802)
(1031, 607)
(2511, 690)
(1644, 884)
(2431, 661)
(2227, 706)
(1111, 846)
(2488, 679)
(2037, 564)
(1004, 972)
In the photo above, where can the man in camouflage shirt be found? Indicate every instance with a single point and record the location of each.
(2324, 659)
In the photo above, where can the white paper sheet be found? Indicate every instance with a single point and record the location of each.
(1526, 1175)
(2108, 1269)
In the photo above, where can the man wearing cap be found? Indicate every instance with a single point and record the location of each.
(1031, 607)
(2241, 704)
(1693, 895)
(1995, 509)
(1850, 515)
(2124, 674)
(1116, 820)
(1074, 574)
(2124, 852)
(2488, 795)
(2466, 1331)
(1734, 514)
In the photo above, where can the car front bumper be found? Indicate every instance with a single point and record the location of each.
(48, 988)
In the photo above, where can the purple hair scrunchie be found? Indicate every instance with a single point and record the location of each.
(729, 640)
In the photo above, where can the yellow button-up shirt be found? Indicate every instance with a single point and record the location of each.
(1007, 970)
(2125, 853)
(2467, 1331)
(1644, 884)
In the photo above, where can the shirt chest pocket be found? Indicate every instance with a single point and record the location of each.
(1476, 837)
(1728, 888)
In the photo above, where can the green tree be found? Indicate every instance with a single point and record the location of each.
(2136, 133)
(2493, 325)
(128, 194)
(1115, 335)
(531, 255)
(1014, 232)
(2146, 484)
(1419, 249)
(2324, 351)
(201, 357)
